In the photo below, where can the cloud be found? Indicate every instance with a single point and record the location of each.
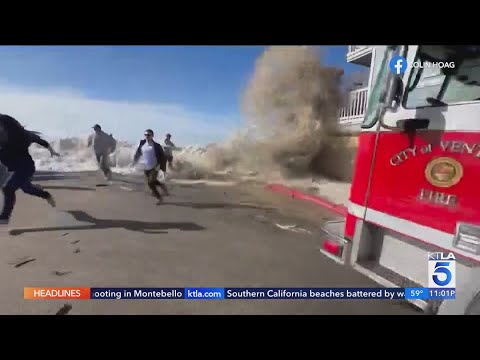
(59, 112)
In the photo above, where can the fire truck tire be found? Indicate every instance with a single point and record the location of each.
(474, 307)
(454, 307)
(467, 301)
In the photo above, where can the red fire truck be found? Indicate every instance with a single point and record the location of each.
(417, 168)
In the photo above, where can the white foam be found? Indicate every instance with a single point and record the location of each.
(193, 160)
(76, 156)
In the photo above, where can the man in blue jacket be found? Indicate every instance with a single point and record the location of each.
(154, 160)
(14, 155)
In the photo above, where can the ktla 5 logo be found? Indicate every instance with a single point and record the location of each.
(441, 270)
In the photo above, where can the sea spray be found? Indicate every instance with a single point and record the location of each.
(75, 156)
(290, 106)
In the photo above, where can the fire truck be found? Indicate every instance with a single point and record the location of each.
(416, 177)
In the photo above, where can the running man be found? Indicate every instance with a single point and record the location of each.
(169, 145)
(14, 143)
(103, 146)
(154, 160)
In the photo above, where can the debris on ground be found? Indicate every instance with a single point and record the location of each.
(76, 251)
(61, 273)
(261, 218)
(75, 241)
(65, 234)
(23, 261)
(64, 310)
(294, 228)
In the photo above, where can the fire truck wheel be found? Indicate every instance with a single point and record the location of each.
(467, 302)
(474, 307)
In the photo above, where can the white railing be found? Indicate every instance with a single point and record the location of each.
(356, 106)
(352, 48)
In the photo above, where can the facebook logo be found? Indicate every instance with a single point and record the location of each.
(398, 65)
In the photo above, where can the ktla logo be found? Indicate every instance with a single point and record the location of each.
(441, 270)
(398, 65)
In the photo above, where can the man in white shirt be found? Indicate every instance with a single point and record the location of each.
(154, 160)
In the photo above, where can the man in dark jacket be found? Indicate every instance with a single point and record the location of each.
(154, 160)
(14, 143)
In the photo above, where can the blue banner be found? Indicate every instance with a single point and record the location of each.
(416, 294)
(430, 294)
(313, 293)
(137, 293)
(204, 293)
(269, 293)
(245, 293)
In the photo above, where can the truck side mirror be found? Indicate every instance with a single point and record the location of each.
(394, 82)
(391, 99)
(398, 91)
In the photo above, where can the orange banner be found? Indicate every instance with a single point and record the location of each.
(56, 293)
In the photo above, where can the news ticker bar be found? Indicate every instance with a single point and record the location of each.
(236, 293)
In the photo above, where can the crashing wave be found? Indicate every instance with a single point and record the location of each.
(77, 156)
(290, 104)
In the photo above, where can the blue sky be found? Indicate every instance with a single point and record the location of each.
(190, 91)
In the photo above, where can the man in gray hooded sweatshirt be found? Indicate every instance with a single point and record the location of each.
(103, 145)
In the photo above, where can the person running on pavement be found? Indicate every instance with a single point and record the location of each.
(103, 146)
(154, 160)
(169, 145)
(14, 155)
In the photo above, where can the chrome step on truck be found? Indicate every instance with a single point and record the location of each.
(335, 246)
(367, 261)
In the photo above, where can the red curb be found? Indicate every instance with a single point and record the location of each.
(297, 194)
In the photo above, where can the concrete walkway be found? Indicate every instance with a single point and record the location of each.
(203, 236)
